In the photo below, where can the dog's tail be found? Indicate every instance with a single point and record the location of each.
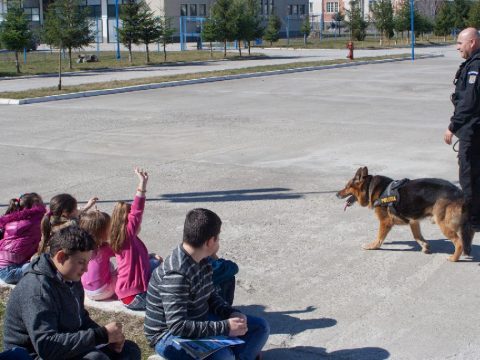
(466, 231)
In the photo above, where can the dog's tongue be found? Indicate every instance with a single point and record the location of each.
(350, 201)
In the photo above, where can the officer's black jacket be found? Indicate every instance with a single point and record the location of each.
(465, 121)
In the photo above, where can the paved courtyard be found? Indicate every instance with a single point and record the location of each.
(268, 155)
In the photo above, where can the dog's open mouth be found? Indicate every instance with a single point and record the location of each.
(350, 201)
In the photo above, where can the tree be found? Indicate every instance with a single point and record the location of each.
(225, 19)
(129, 33)
(67, 26)
(15, 34)
(474, 15)
(272, 32)
(382, 14)
(240, 22)
(338, 19)
(305, 29)
(167, 32)
(209, 33)
(252, 22)
(356, 23)
(150, 29)
(460, 10)
(444, 23)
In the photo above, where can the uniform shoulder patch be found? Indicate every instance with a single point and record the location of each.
(472, 77)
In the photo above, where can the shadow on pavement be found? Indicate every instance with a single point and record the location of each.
(221, 196)
(313, 353)
(282, 322)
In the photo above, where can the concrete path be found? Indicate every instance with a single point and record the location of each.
(277, 56)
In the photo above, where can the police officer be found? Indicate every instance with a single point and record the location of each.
(465, 122)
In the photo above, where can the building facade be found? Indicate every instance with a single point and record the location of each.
(103, 13)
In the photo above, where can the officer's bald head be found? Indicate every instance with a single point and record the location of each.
(468, 42)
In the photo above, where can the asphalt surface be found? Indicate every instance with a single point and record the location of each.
(268, 155)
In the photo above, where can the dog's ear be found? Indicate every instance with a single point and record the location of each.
(358, 175)
(364, 172)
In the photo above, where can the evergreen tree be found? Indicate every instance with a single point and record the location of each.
(67, 26)
(305, 29)
(253, 23)
(460, 11)
(225, 19)
(129, 32)
(15, 34)
(339, 19)
(444, 21)
(474, 15)
(240, 22)
(356, 23)
(150, 29)
(167, 32)
(272, 32)
(209, 33)
(382, 14)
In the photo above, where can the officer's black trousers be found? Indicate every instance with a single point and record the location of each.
(469, 176)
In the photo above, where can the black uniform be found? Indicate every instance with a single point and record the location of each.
(465, 124)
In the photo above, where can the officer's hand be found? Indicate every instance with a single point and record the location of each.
(447, 137)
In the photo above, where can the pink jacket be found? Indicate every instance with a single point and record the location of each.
(133, 262)
(99, 272)
(21, 235)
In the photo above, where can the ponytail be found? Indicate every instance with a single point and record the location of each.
(13, 205)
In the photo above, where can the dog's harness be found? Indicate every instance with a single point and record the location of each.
(391, 197)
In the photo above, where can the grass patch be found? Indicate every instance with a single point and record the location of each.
(368, 43)
(159, 79)
(132, 325)
(46, 62)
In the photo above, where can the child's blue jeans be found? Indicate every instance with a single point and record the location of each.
(255, 339)
(13, 273)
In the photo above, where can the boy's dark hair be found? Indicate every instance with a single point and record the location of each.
(200, 225)
(71, 239)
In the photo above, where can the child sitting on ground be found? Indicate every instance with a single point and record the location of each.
(182, 301)
(63, 212)
(134, 264)
(21, 235)
(45, 313)
(100, 279)
(223, 277)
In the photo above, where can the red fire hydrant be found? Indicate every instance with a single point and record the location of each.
(350, 50)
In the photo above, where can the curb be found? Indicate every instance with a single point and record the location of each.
(90, 93)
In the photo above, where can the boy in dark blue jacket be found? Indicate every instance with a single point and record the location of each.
(45, 313)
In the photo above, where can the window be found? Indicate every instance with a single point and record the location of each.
(202, 10)
(183, 10)
(302, 9)
(311, 7)
(33, 14)
(270, 6)
(193, 10)
(332, 7)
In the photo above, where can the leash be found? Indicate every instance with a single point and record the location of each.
(453, 147)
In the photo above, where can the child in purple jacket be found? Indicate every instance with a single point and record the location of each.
(20, 227)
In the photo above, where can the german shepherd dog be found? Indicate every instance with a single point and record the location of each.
(418, 199)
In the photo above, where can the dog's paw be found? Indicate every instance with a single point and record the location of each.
(426, 250)
(452, 258)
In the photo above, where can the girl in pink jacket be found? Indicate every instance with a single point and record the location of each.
(100, 279)
(134, 264)
(20, 227)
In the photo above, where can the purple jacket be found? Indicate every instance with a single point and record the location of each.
(21, 235)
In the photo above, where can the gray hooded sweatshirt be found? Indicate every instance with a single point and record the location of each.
(46, 315)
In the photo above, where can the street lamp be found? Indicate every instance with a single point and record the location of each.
(412, 30)
(116, 23)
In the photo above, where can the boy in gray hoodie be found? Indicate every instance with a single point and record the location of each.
(46, 315)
